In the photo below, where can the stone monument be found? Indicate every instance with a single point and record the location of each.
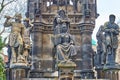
(101, 49)
(78, 16)
(108, 41)
(111, 30)
(17, 48)
(16, 40)
(65, 49)
(61, 38)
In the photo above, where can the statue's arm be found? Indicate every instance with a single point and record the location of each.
(7, 23)
(58, 20)
(23, 31)
(106, 28)
(72, 41)
(58, 39)
(98, 33)
(116, 30)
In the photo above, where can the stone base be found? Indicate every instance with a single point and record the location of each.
(67, 64)
(87, 74)
(99, 67)
(112, 67)
(57, 79)
(66, 69)
(19, 65)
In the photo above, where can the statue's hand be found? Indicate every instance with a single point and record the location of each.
(112, 30)
(8, 17)
(107, 30)
(27, 46)
(59, 20)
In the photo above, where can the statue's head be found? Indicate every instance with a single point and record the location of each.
(18, 17)
(61, 13)
(112, 18)
(102, 27)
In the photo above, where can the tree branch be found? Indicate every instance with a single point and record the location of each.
(1, 9)
(2, 2)
(9, 2)
(3, 5)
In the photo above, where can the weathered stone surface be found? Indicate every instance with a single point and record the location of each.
(57, 79)
(43, 46)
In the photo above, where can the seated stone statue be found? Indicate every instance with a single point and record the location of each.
(65, 48)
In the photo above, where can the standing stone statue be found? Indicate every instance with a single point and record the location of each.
(77, 5)
(111, 32)
(16, 38)
(101, 50)
(27, 44)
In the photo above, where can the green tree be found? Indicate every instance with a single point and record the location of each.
(2, 44)
(2, 66)
(8, 7)
(2, 69)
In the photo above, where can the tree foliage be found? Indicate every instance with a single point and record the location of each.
(2, 44)
(12, 6)
(2, 69)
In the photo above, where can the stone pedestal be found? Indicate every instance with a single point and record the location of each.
(87, 74)
(108, 71)
(18, 74)
(112, 71)
(66, 70)
(17, 71)
(100, 72)
(8, 74)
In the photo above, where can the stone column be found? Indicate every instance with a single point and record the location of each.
(37, 45)
(86, 30)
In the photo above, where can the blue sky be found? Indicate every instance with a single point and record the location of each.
(105, 8)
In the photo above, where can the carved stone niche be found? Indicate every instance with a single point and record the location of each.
(68, 8)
